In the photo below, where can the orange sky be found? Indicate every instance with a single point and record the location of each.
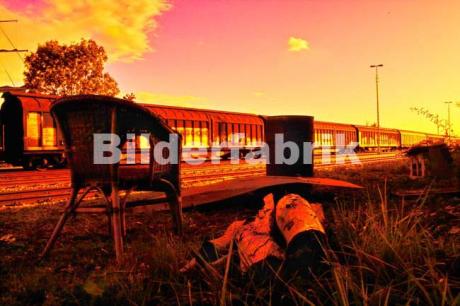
(270, 57)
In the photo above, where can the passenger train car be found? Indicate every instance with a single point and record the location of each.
(29, 137)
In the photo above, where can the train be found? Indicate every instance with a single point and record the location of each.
(30, 138)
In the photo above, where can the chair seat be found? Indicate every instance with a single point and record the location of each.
(136, 172)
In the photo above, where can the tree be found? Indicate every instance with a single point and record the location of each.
(69, 69)
(130, 96)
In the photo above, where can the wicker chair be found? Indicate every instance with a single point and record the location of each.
(80, 117)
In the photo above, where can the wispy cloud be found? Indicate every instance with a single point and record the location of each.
(121, 26)
(258, 93)
(297, 44)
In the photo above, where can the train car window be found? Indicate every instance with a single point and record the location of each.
(236, 130)
(259, 135)
(253, 134)
(142, 142)
(222, 132)
(197, 134)
(240, 138)
(230, 133)
(188, 133)
(33, 129)
(49, 131)
(180, 130)
(248, 134)
(204, 134)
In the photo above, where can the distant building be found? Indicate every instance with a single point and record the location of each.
(430, 161)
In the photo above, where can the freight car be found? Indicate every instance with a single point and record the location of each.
(29, 134)
(30, 138)
(327, 134)
(410, 138)
(390, 139)
(432, 138)
(203, 129)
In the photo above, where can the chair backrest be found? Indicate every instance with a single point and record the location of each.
(81, 117)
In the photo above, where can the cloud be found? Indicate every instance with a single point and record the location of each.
(258, 93)
(121, 26)
(297, 44)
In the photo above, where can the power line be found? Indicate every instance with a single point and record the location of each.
(8, 74)
(15, 50)
(12, 50)
(12, 44)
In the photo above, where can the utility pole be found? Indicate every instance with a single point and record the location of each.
(378, 106)
(448, 118)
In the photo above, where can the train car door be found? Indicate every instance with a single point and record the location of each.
(49, 131)
(33, 128)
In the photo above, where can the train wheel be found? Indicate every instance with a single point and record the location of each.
(59, 162)
(28, 164)
(42, 163)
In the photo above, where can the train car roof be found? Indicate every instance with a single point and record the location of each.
(33, 102)
(413, 132)
(347, 126)
(373, 128)
(435, 135)
(188, 113)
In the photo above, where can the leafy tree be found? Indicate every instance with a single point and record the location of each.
(69, 69)
(130, 96)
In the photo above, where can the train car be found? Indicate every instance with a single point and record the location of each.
(29, 134)
(433, 138)
(2, 137)
(410, 138)
(390, 139)
(455, 141)
(30, 138)
(328, 133)
(203, 129)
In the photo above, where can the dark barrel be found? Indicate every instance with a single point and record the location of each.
(296, 129)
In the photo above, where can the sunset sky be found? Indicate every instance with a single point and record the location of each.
(268, 57)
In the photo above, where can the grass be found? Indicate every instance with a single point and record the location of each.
(381, 251)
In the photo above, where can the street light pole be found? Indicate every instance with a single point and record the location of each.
(448, 118)
(378, 106)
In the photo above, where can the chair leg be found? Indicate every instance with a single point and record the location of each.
(175, 206)
(116, 220)
(70, 208)
(123, 212)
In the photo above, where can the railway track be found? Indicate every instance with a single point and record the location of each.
(27, 187)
